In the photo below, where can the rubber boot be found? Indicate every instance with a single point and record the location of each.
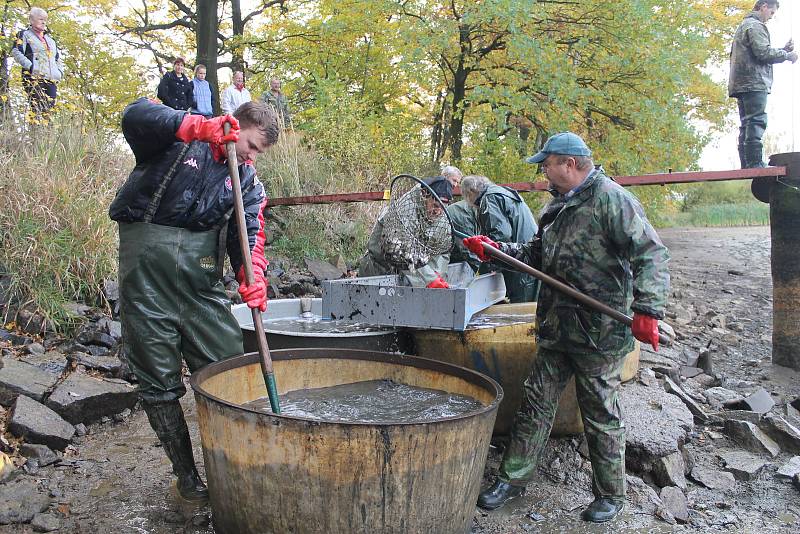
(498, 494)
(167, 420)
(602, 509)
(742, 158)
(753, 156)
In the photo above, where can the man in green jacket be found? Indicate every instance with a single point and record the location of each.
(503, 216)
(465, 220)
(751, 78)
(594, 236)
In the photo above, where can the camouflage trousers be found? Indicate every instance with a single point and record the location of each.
(597, 380)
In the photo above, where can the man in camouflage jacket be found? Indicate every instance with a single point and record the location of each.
(595, 237)
(751, 78)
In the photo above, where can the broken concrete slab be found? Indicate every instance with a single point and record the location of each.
(20, 501)
(741, 415)
(656, 424)
(760, 401)
(784, 433)
(743, 465)
(42, 454)
(718, 396)
(790, 468)
(669, 471)
(85, 399)
(20, 378)
(690, 372)
(52, 361)
(36, 423)
(106, 364)
(751, 437)
(671, 387)
(322, 270)
(713, 479)
(45, 523)
(675, 502)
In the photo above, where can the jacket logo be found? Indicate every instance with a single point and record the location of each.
(228, 183)
(208, 263)
(191, 162)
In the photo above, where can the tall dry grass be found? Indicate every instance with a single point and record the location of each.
(57, 243)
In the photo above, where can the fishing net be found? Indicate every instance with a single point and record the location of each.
(416, 226)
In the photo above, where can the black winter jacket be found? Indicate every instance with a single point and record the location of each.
(176, 92)
(200, 194)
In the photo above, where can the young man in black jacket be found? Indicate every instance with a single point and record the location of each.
(171, 211)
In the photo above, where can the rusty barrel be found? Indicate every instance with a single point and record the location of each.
(784, 217)
(277, 473)
(506, 353)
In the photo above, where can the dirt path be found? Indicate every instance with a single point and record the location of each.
(116, 478)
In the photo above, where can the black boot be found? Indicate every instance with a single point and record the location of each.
(602, 509)
(498, 494)
(753, 155)
(167, 420)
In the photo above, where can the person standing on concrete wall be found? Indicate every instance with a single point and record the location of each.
(750, 78)
(595, 237)
(172, 212)
(503, 216)
(41, 61)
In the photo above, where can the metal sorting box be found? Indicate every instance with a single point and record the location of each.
(389, 300)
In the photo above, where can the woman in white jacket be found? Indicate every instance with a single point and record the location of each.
(42, 65)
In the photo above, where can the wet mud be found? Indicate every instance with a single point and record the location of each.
(371, 401)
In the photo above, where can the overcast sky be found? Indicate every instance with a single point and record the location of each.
(782, 107)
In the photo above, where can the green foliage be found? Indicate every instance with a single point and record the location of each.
(57, 243)
(712, 193)
(752, 213)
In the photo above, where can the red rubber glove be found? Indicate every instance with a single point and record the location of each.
(439, 283)
(255, 296)
(475, 245)
(645, 329)
(211, 131)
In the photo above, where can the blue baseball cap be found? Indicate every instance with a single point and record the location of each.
(563, 144)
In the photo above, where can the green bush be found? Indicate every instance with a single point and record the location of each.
(752, 213)
(57, 243)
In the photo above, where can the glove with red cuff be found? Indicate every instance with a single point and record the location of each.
(645, 329)
(255, 295)
(439, 283)
(211, 131)
(475, 245)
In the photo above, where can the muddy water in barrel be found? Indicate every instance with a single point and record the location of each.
(373, 401)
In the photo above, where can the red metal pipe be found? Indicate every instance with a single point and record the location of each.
(645, 179)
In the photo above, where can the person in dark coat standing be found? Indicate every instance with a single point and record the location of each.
(752, 57)
(175, 89)
(503, 216)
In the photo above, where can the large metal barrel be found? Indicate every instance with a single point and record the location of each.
(282, 474)
(379, 338)
(506, 353)
(784, 216)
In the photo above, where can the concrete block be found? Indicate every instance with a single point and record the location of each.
(743, 465)
(85, 399)
(20, 378)
(751, 437)
(36, 423)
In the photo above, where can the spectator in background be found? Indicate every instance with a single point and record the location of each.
(203, 97)
(175, 88)
(752, 57)
(235, 95)
(277, 100)
(42, 65)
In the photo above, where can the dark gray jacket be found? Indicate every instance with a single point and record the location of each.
(752, 57)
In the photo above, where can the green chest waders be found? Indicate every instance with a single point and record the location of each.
(173, 302)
